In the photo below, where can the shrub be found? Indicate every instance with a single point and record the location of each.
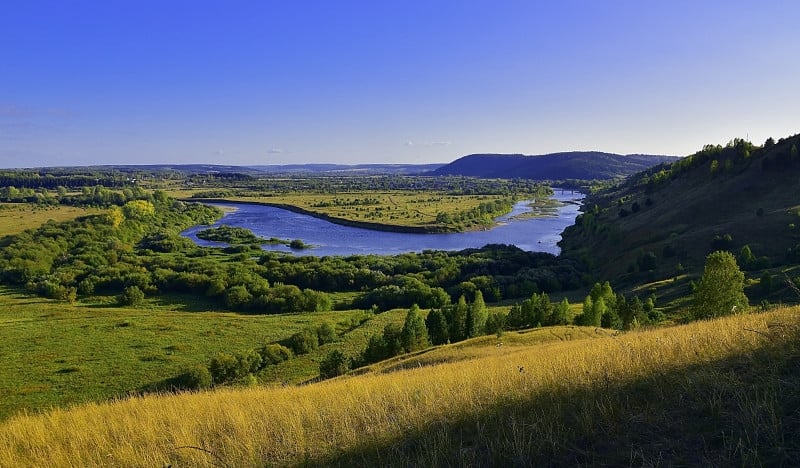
(224, 368)
(326, 333)
(131, 296)
(333, 364)
(195, 378)
(304, 341)
(274, 354)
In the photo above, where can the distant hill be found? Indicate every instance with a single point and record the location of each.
(348, 169)
(586, 165)
(658, 226)
(297, 169)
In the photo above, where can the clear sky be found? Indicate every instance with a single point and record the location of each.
(275, 82)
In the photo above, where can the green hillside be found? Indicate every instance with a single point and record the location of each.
(658, 226)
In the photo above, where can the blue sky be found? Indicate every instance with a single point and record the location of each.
(269, 82)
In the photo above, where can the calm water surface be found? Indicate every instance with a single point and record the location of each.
(534, 234)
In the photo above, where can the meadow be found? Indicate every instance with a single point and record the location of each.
(720, 392)
(17, 217)
(58, 354)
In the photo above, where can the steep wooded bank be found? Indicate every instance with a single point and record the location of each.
(662, 223)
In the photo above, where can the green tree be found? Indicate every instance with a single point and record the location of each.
(496, 323)
(457, 320)
(721, 289)
(436, 323)
(560, 313)
(477, 316)
(414, 335)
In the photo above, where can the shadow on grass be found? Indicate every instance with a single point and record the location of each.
(740, 411)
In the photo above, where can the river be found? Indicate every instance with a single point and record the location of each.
(540, 234)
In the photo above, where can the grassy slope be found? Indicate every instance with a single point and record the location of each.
(57, 354)
(686, 213)
(722, 392)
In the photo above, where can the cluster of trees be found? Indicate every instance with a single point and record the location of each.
(452, 185)
(483, 214)
(448, 324)
(603, 308)
(228, 368)
(54, 179)
(429, 277)
(396, 340)
(121, 253)
(538, 311)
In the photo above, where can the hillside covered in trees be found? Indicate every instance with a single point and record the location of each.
(581, 165)
(662, 223)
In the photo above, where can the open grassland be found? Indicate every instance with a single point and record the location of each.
(17, 217)
(714, 393)
(57, 354)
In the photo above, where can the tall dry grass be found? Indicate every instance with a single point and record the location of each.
(565, 402)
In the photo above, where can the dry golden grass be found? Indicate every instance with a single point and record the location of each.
(17, 217)
(506, 406)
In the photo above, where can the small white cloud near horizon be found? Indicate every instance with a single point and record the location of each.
(429, 143)
(275, 151)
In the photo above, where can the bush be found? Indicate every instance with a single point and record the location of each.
(131, 296)
(274, 354)
(195, 378)
(305, 341)
(224, 368)
(333, 364)
(326, 333)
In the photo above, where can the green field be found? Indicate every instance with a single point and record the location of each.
(57, 354)
(17, 217)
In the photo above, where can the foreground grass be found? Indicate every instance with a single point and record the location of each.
(17, 217)
(721, 392)
(56, 354)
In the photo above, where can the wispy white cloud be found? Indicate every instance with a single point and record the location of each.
(428, 143)
(275, 151)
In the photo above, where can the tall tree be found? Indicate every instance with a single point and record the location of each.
(478, 315)
(457, 320)
(414, 335)
(721, 289)
(437, 327)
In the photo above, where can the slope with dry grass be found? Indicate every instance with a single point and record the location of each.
(721, 392)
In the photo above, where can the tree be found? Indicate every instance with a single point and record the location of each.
(721, 289)
(436, 323)
(414, 335)
(477, 315)
(457, 319)
(560, 313)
